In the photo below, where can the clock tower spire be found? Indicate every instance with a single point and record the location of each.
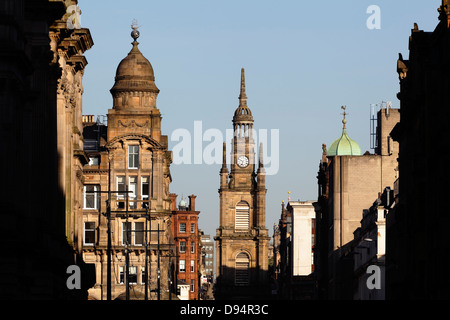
(242, 239)
(243, 151)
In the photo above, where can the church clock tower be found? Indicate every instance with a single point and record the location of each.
(242, 239)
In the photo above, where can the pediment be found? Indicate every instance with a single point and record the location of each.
(119, 141)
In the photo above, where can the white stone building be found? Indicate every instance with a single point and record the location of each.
(303, 215)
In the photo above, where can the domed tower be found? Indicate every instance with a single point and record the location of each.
(139, 171)
(242, 239)
(344, 145)
(134, 96)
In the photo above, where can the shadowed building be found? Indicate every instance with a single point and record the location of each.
(417, 259)
(242, 240)
(295, 241)
(41, 70)
(348, 184)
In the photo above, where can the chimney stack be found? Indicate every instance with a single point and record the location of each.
(173, 201)
(192, 202)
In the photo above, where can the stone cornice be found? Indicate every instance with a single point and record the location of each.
(81, 154)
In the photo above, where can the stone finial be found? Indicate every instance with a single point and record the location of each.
(344, 121)
(135, 32)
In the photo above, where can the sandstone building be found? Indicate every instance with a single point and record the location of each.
(242, 240)
(126, 190)
(68, 46)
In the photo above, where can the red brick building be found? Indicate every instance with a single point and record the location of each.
(187, 239)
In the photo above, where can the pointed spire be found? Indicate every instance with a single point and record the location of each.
(261, 170)
(261, 161)
(224, 159)
(242, 95)
(224, 170)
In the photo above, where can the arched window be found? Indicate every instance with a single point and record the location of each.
(242, 216)
(242, 269)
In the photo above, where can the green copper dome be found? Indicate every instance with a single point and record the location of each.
(344, 146)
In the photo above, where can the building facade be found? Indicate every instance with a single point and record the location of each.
(417, 244)
(41, 70)
(187, 241)
(369, 250)
(294, 246)
(68, 46)
(242, 239)
(207, 245)
(348, 183)
(125, 227)
(303, 215)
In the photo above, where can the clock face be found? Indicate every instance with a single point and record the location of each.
(242, 161)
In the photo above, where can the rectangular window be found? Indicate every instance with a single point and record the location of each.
(143, 275)
(121, 275)
(132, 277)
(183, 227)
(192, 227)
(192, 266)
(121, 192)
(89, 233)
(133, 157)
(192, 247)
(145, 190)
(182, 246)
(132, 186)
(182, 265)
(139, 233)
(91, 196)
(192, 285)
(125, 235)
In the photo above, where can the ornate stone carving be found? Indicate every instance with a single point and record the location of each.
(132, 124)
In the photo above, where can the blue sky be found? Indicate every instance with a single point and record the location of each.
(303, 60)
